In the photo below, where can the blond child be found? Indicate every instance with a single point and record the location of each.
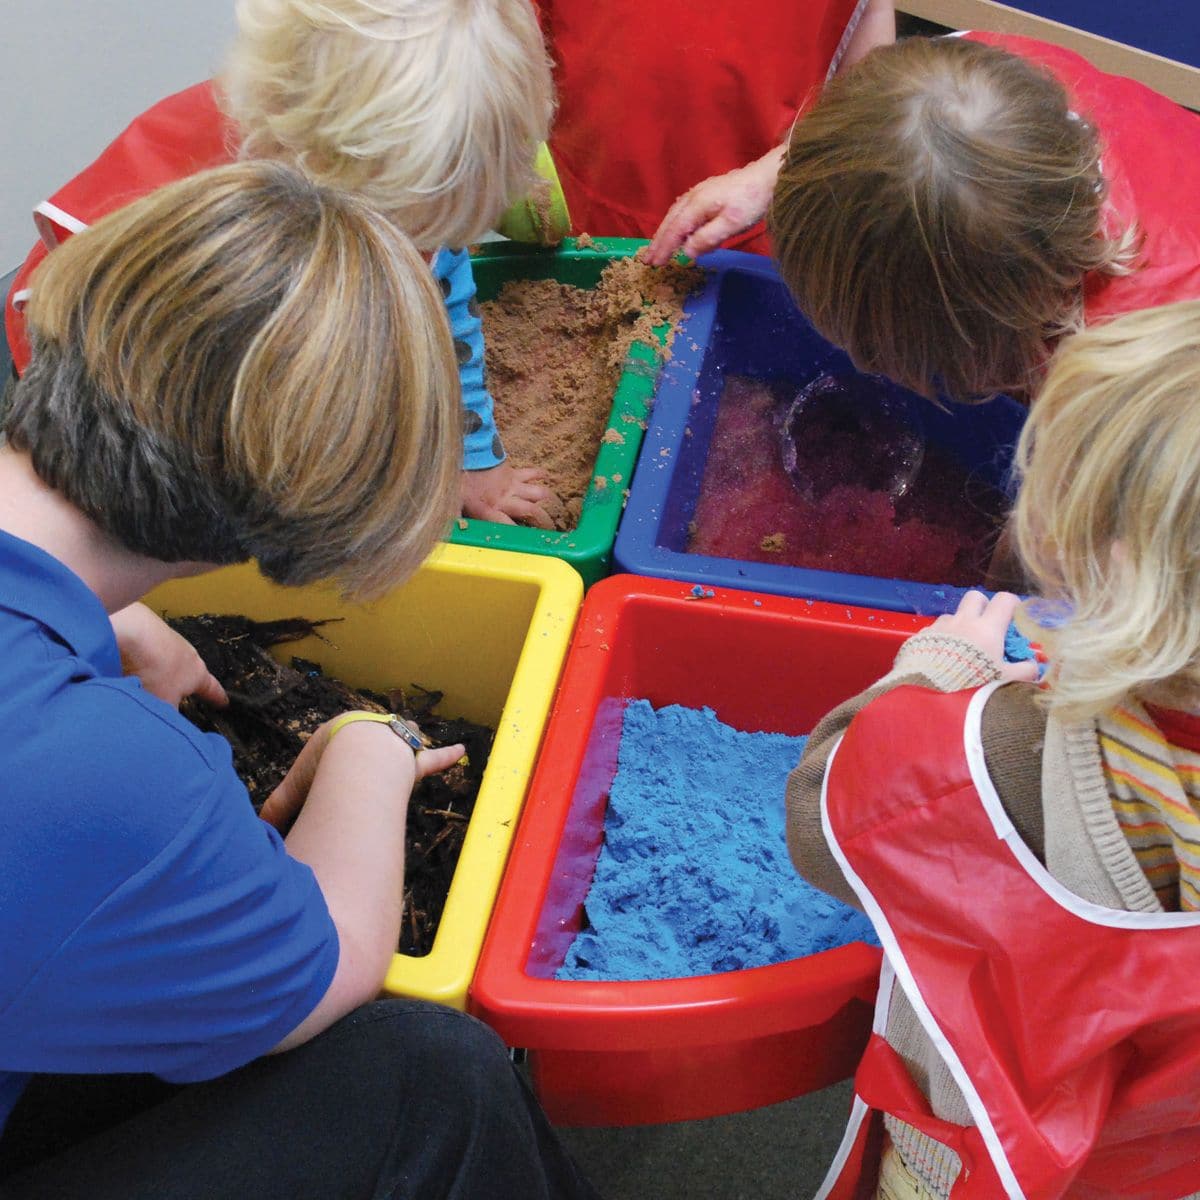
(430, 110)
(952, 206)
(1030, 855)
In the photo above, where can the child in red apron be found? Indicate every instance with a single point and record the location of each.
(1030, 855)
(654, 97)
(431, 116)
(952, 206)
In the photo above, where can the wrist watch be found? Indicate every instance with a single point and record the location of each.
(411, 738)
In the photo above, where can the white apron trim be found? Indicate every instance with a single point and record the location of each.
(1085, 910)
(52, 213)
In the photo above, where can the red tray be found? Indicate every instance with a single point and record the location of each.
(630, 1053)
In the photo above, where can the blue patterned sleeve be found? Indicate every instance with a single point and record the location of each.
(482, 447)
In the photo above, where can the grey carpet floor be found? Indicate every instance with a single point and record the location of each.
(775, 1153)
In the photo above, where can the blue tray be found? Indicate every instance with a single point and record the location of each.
(744, 323)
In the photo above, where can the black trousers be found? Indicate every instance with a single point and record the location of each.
(401, 1099)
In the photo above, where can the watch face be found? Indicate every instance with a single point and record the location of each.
(416, 740)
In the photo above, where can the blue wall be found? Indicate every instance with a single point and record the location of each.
(1167, 27)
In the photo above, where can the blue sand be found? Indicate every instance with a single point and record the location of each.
(931, 602)
(694, 876)
(1017, 647)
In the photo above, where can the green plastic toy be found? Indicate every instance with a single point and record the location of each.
(541, 218)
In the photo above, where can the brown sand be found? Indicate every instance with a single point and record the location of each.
(541, 204)
(554, 353)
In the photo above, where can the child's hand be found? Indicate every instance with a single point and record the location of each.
(983, 622)
(283, 805)
(715, 209)
(165, 661)
(506, 494)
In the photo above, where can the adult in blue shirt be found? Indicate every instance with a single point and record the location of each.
(187, 990)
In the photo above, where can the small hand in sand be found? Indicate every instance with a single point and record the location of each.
(983, 622)
(715, 209)
(506, 494)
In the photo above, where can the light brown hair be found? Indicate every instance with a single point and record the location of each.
(246, 365)
(431, 110)
(936, 213)
(1108, 514)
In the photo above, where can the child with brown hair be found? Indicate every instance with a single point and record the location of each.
(951, 206)
(430, 110)
(1030, 855)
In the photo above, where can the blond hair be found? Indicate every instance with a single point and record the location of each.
(246, 365)
(431, 110)
(936, 213)
(1108, 515)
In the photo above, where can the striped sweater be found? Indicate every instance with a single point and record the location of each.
(1151, 760)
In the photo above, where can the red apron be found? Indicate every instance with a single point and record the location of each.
(179, 136)
(1072, 1030)
(655, 96)
(698, 111)
(1150, 156)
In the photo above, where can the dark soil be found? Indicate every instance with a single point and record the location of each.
(273, 710)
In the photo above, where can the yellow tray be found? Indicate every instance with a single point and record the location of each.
(490, 629)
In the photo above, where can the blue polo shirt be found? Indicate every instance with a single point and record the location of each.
(149, 921)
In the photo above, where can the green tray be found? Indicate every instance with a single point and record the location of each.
(588, 547)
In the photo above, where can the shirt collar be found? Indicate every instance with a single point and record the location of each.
(38, 586)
